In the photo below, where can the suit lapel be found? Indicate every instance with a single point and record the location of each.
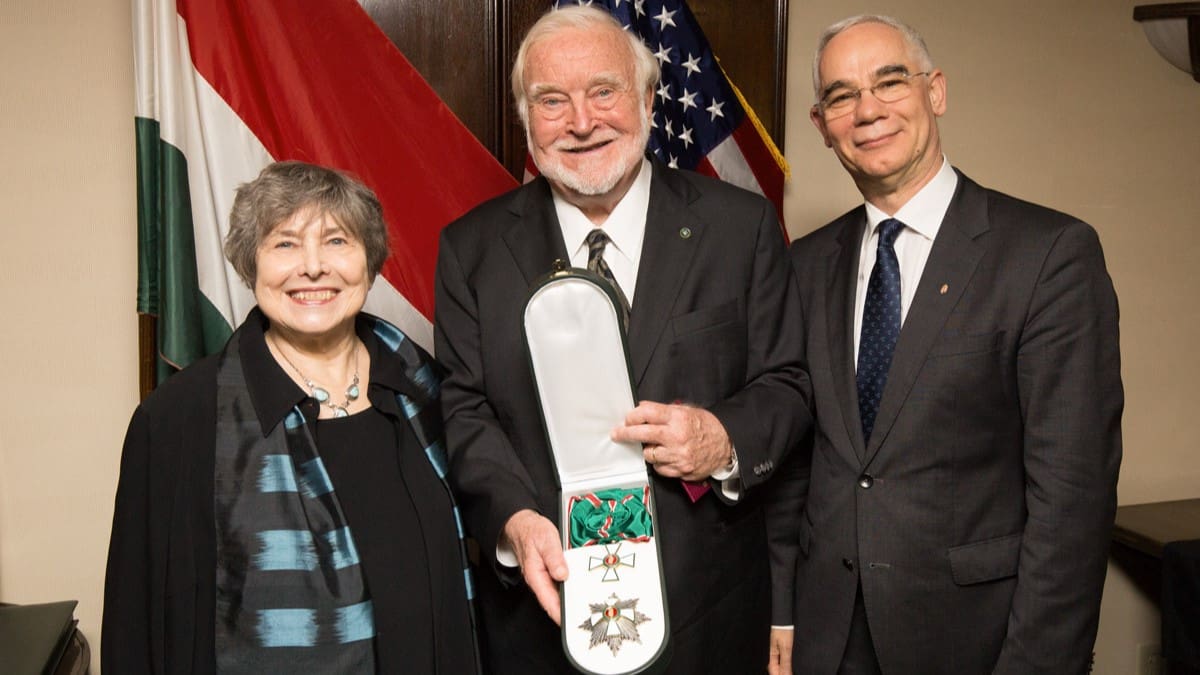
(952, 262)
(842, 284)
(666, 258)
(535, 239)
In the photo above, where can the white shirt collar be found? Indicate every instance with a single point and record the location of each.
(625, 227)
(923, 213)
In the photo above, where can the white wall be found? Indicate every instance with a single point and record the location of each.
(68, 342)
(1058, 101)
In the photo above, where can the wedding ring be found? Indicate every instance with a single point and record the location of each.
(653, 458)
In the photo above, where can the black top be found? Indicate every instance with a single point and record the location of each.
(372, 481)
(160, 588)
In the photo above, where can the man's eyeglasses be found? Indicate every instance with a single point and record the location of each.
(842, 101)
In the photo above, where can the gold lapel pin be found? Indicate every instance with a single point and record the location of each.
(685, 232)
(945, 287)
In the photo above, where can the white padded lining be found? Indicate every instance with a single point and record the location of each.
(583, 379)
(579, 363)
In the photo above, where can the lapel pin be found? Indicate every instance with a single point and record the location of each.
(945, 287)
(685, 232)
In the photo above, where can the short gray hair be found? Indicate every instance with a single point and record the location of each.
(910, 35)
(283, 189)
(583, 17)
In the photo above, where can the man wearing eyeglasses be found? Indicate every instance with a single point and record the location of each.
(965, 365)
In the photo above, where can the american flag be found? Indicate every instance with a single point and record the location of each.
(701, 122)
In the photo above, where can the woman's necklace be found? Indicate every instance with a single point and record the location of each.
(322, 394)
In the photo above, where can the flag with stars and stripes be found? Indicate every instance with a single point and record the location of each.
(701, 121)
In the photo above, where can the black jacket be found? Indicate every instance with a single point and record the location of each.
(159, 593)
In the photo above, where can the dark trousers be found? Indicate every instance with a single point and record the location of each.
(859, 657)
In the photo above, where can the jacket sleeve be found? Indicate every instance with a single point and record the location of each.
(126, 634)
(784, 508)
(484, 470)
(1071, 398)
(769, 415)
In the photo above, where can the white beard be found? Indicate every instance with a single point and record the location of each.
(593, 181)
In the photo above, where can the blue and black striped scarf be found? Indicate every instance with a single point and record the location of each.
(290, 590)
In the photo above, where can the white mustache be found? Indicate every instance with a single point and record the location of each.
(580, 147)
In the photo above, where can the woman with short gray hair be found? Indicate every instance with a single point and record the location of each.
(282, 506)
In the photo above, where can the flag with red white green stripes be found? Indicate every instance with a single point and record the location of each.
(225, 87)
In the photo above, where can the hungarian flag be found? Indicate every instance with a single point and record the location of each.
(701, 121)
(224, 87)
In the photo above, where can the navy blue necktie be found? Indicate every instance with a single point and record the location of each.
(880, 325)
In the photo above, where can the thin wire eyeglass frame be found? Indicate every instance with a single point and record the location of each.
(894, 88)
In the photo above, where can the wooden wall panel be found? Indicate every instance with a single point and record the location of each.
(465, 49)
(518, 16)
(454, 45)
(749, 38)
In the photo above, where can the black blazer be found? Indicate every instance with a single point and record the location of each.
(977, 518)
(160, 586)
(705, 328)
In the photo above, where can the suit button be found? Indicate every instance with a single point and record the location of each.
(865, 481)
(848, 564)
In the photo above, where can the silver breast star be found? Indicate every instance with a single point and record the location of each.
(613, 622)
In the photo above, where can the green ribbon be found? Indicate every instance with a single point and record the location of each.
(609, 516)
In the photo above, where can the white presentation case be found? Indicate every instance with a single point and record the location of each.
(614, 600)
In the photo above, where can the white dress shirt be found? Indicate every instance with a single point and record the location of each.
(922, 217)
(625, 227)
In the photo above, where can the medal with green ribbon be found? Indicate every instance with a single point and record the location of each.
(609, 516)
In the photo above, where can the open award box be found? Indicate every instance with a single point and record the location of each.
(614, 610)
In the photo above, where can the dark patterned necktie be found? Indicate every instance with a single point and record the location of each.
(880, 325)
(596, 241)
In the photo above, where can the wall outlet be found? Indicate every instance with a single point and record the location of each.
(1149, 660)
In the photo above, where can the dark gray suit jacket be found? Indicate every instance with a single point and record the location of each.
(706, 328)
(977, 518)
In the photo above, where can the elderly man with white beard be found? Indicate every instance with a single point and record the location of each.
(702, 267)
